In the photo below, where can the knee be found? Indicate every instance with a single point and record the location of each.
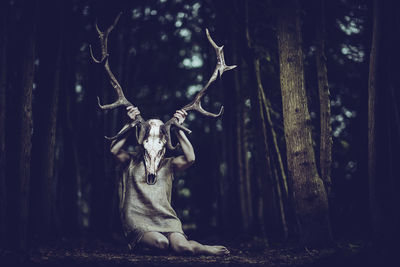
(161, 243)
(183, 248)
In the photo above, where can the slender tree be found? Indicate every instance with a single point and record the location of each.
(25, 121)
(279, 181)
(50, 46)
(267, 204)
(383, 124)
(242, 161)
(310, 199)
(325, 145)
(232, 184)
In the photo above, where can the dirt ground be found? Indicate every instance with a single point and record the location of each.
(255, 253)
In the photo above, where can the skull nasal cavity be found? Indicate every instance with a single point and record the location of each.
(151, 178)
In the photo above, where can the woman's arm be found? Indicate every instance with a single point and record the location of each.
(116, 145)
(187, 159)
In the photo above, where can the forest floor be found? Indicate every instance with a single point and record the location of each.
(251, 253)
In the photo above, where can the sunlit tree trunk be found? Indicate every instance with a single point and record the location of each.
(310, 199)
(325, 154)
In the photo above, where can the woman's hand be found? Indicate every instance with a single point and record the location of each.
(133, 112)
(180, 115)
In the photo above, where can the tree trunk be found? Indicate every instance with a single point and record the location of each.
(238, 167)
(226, 182)
(245, 201)
(372, 84)
(310, 199)
(325, 155)
(383, 131)
(44, 187)
(229, 200)
(266, 185)
(98, 148)
(48, 156)
(71, 176)
(270, 200)
(25, 121)
(3, 85)
(274, 175)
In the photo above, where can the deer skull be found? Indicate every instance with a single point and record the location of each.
(154, 149)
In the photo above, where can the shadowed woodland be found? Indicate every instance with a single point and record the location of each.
(299, 170)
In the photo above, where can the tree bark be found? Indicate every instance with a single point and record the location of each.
(325, 155)
(372, 84)
(49, 156)
(44, 187)
(26, 122)
(310, 199)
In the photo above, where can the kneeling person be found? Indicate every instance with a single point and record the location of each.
(145, 191)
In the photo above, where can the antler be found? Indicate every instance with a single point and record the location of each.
(121, 101)
(220, 68)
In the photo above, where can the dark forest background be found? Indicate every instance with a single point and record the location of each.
(304, 152)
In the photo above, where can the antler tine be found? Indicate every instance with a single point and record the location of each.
(91, 54)
(167, 131)
(138, 121)
(103, 36)
(220, 68)
(121, 101)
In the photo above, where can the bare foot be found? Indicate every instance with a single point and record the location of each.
(215, 250)
(208, 250)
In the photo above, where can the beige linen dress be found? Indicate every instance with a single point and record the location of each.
(143, 207)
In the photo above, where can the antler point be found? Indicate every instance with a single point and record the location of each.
(98, 102)
(230, 67)
(221, 111)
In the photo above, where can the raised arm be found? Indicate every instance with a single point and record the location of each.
(116, 145)
(184, 161)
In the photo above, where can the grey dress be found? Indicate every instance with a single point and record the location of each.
(143, 207)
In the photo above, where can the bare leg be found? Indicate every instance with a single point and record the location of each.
(181, 245)
(154, 240)
(208, 250)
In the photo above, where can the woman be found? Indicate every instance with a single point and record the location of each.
(145, 192)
